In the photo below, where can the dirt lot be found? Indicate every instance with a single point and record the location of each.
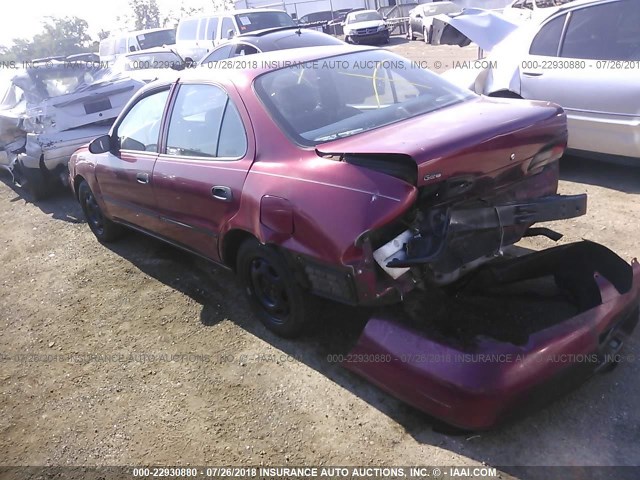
(168, 365)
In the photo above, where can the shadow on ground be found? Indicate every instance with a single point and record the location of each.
(623, 178)
(59, 205)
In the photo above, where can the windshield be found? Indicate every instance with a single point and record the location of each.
(156, 39)
(363, 17)
(341, 96)
(551, 3)
(144, 61)
(250, 22)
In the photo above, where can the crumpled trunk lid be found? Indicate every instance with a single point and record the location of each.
(484, 137)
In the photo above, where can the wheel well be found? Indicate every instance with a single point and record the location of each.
(231, 245)
(505, 94)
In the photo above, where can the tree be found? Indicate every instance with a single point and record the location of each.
(146, 13)
(60, 36)
(102, 34)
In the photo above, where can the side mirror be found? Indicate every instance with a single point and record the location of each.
(230, 34)
(101, 144)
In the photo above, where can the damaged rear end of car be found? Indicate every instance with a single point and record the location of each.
(484, 329)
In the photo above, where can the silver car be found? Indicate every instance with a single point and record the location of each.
(586, 58)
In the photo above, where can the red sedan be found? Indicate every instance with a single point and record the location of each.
(345, 173)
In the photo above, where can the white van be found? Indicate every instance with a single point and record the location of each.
(115, 45)
(198, 35)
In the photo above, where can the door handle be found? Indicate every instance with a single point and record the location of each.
(142, 177)
(220, 192)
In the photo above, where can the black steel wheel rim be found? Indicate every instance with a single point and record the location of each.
(269, 289)
(94, 214)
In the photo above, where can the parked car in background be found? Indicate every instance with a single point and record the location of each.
(121, 43)
(296, 178)
(536, 10)
(149, 65)
(421, 18)
(582, 58)
(198, 35)
(324, 16)
(268, 40)
(50, 109)
(365, 26)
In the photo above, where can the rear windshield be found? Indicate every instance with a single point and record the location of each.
(156, 39)
(250, 22)
(345, 95)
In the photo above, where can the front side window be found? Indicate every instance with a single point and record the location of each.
(140, 128)
(205, 123)
(548, 38)
(227, 25)
(604, 32)
(349, 94)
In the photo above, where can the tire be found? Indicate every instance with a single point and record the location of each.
(387, 39)
(273, 291)
(104, 229)
(34, 183)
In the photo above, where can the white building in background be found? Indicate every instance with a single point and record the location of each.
(299, 8)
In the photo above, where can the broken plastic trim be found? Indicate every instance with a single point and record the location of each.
(477, 386)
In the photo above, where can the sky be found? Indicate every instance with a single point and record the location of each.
(23, 18)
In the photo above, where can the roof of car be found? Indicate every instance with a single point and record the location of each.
(150, 51)
(277, 38)
(228, 13)
(272, 60)
(580, 3)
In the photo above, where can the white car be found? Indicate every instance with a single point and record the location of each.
(365, 26)
(586, 58)
(536, 10)
(149, 65)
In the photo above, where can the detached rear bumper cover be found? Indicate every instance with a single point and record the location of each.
(480, 386)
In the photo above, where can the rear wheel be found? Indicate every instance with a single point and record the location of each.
(33, 181)
(273, 291)
(104, 229)
(410, 34)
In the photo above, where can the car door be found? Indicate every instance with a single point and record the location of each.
(206, 156)
(124, 175)
(590, 75)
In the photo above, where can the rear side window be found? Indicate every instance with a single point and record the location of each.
(547, 40)
(220, 53)
(187, 29)
(244, 49)
(604, 32)
(205, 123)
(212, 28)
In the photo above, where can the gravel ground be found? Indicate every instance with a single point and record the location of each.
(168, 365)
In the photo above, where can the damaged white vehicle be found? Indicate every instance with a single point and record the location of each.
(49, 110)
(585, 57)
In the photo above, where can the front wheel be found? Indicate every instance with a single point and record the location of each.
(273, 291)
(104, 229)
